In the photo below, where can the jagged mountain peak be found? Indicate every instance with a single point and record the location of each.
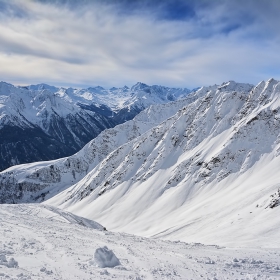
(6, 88)
(97, 89)
(43, 86)
(272, 80)
(265, 89)
(139, 86)
(233, 86)
(2, 83)
(270, 84)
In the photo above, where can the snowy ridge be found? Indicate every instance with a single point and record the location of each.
(39, 181)
(204, 174)
(51, 122)
(140, 95)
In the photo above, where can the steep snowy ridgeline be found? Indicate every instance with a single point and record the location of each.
(42, 122)
(39, 242)
(209, 174)
(41, 180)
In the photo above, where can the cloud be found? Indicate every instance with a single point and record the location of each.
(112, 43)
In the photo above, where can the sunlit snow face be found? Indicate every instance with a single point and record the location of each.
(112, 43)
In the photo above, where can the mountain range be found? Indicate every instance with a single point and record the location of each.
(43, 122)
(201, 168)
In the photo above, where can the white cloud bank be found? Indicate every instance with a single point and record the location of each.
(95, 43)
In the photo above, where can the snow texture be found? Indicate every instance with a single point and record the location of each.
(37, 243)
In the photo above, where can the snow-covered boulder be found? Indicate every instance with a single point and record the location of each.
(104, 257)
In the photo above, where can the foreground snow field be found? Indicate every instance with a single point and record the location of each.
(43, 242)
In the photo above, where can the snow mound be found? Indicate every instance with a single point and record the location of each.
(53, 214)
(105, 257)
(8, 263)
(67, 217)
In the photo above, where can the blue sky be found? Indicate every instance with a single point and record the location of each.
(180, 43)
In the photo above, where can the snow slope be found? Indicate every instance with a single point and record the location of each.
(42, 242)
(207, 174)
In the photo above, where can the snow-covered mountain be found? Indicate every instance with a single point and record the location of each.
(41, 180)
(42, 122)
(201, 169)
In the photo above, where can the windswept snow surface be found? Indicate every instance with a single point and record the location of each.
(42, 242)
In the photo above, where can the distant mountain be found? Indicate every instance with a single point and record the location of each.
(42, 122)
